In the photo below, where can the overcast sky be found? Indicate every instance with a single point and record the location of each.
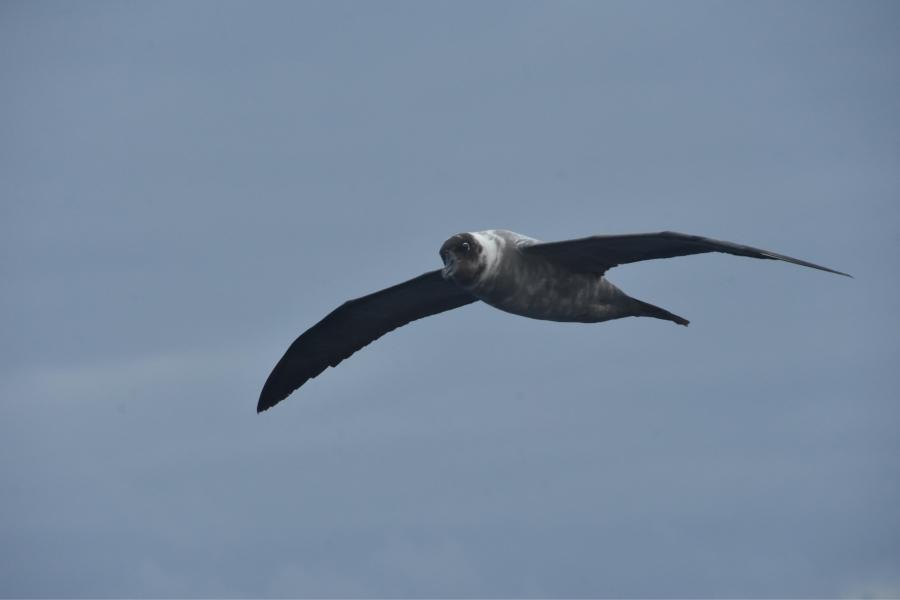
(186, 186)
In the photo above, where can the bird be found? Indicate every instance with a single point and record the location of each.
(556, 281)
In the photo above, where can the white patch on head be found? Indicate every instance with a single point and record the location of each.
(491, 251)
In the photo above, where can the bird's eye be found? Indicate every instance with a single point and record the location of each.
(465, 246)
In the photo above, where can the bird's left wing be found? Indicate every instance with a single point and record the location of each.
(600, 253)
(355, 324)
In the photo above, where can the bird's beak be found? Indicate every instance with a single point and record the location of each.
(449, 264)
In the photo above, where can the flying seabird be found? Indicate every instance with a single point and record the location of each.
(555, 281)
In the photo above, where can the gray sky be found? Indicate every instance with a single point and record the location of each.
(185, 187)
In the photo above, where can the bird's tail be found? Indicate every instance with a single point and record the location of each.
(644, 309)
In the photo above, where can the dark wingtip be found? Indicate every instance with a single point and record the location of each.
(264, 406)
(833, 271)
(803, 263)
(268, 399)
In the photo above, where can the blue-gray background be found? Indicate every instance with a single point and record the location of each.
(185, 187)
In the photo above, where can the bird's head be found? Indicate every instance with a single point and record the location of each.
(463, 258)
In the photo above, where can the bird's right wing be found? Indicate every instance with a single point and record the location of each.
(355, 324)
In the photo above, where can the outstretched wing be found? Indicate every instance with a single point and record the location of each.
(355, 324)
(600, 253)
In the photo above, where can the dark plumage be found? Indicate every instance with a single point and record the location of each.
(353, 325)
(557, 281)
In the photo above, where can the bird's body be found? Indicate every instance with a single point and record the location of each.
(555, 281)
(538, 288)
